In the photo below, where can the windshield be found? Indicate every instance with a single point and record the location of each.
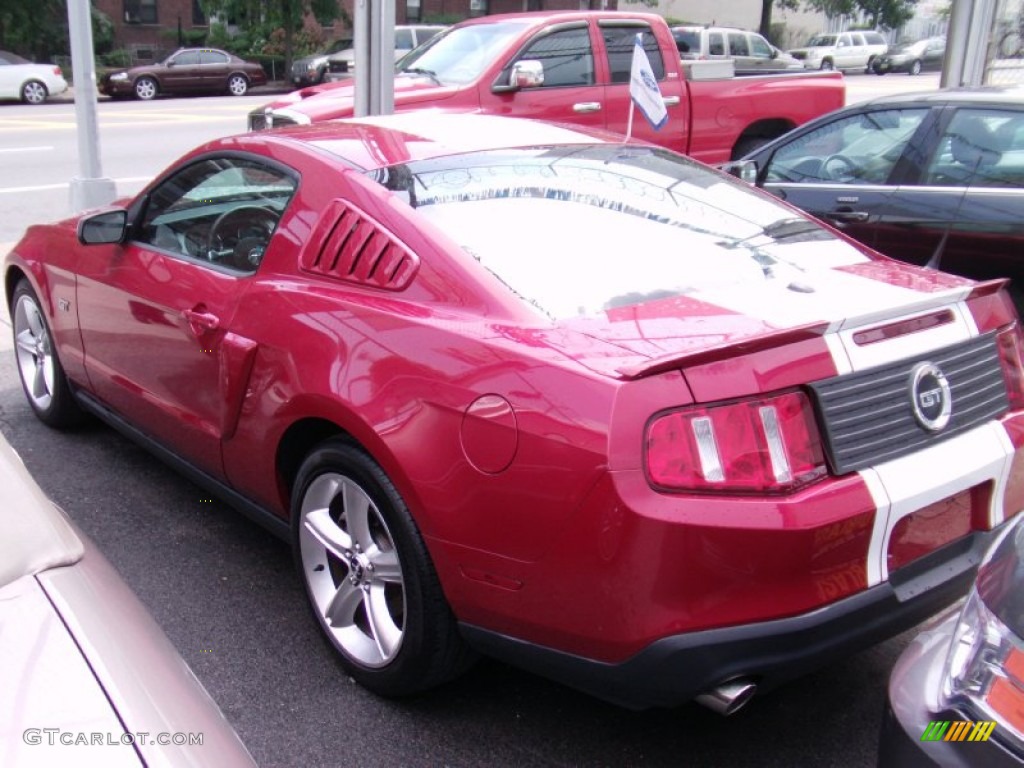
(582, 230)
(460, 55)
(822, 41)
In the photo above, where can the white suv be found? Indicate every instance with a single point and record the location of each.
(841, 50)
(340, 64)
(751, 53)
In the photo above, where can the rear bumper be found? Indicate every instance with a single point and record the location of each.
(674, 669)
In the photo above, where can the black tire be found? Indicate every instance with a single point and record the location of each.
(915, 68)
(827, 65)
(390, 624)
(870, 67)
(42, 375)
(146, 89)
(34, 92)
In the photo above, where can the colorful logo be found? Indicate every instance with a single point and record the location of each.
(962, 730)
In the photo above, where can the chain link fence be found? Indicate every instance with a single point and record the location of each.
(1004, 64)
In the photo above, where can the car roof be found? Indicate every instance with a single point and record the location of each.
(986, 94)
(383, 140)
(36, 536)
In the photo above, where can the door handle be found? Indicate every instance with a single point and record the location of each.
(583, 107)
(671, 101)
(848, 217)
(200, 322)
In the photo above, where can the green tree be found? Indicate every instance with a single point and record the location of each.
(264, 16)
(38, 29)
(887, 14)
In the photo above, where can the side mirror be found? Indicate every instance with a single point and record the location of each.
(103, 228)
(528, 73)
(744, 170)
(775, 53)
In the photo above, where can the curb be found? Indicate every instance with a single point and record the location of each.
(270, 89)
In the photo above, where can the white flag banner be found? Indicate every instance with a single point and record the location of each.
(643, 87)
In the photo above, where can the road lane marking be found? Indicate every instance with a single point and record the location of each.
(65, 185)
(28, 149)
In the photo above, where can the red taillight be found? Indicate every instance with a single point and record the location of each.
(56, 71)
(767, 445)
(1011, 356)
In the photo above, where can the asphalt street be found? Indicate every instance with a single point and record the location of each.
(226, 594)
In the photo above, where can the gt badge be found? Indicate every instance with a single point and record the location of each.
(930, 397)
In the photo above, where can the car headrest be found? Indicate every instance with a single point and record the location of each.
(974, 144)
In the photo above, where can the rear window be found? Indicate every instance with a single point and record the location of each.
(687, 40)
(584, 229)
(822, 41)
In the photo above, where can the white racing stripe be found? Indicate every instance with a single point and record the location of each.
(902, 486)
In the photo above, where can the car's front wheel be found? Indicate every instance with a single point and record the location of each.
(238, 85)
(42, 375)
(34, 92)
(915, 68)
(368, 576)
(146, 88)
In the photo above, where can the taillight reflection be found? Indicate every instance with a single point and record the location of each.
(1011, 356)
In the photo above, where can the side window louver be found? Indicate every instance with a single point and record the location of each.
(349, 245)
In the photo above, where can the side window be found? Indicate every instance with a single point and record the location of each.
(620, 41)
(860, 149)
(858, 39)
(403, 40)
(567, 57)
(213, 57)
(738, 44)
(759, 47)
(980, 147)
(186, 59)
(716, 44)
(220, 211)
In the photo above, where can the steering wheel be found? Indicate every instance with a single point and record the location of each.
(838, 168)
(240, 236)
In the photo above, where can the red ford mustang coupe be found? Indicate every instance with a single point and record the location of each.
(586, 406)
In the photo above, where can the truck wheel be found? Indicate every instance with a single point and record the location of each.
(915, 68)
(747, 145)
(827, 65)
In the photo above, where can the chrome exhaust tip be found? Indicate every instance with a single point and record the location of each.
(728, 698)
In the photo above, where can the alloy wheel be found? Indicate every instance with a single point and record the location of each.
(36, 362)
(351, 566)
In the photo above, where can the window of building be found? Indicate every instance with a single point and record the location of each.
(478, 7)
(140, 11)
(412, 11)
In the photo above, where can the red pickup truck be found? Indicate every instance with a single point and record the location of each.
(574, 67)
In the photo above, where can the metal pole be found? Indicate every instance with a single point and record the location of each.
(374, 58)
(90, 190)
(970, 27)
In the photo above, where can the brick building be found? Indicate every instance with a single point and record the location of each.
(155, 24)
